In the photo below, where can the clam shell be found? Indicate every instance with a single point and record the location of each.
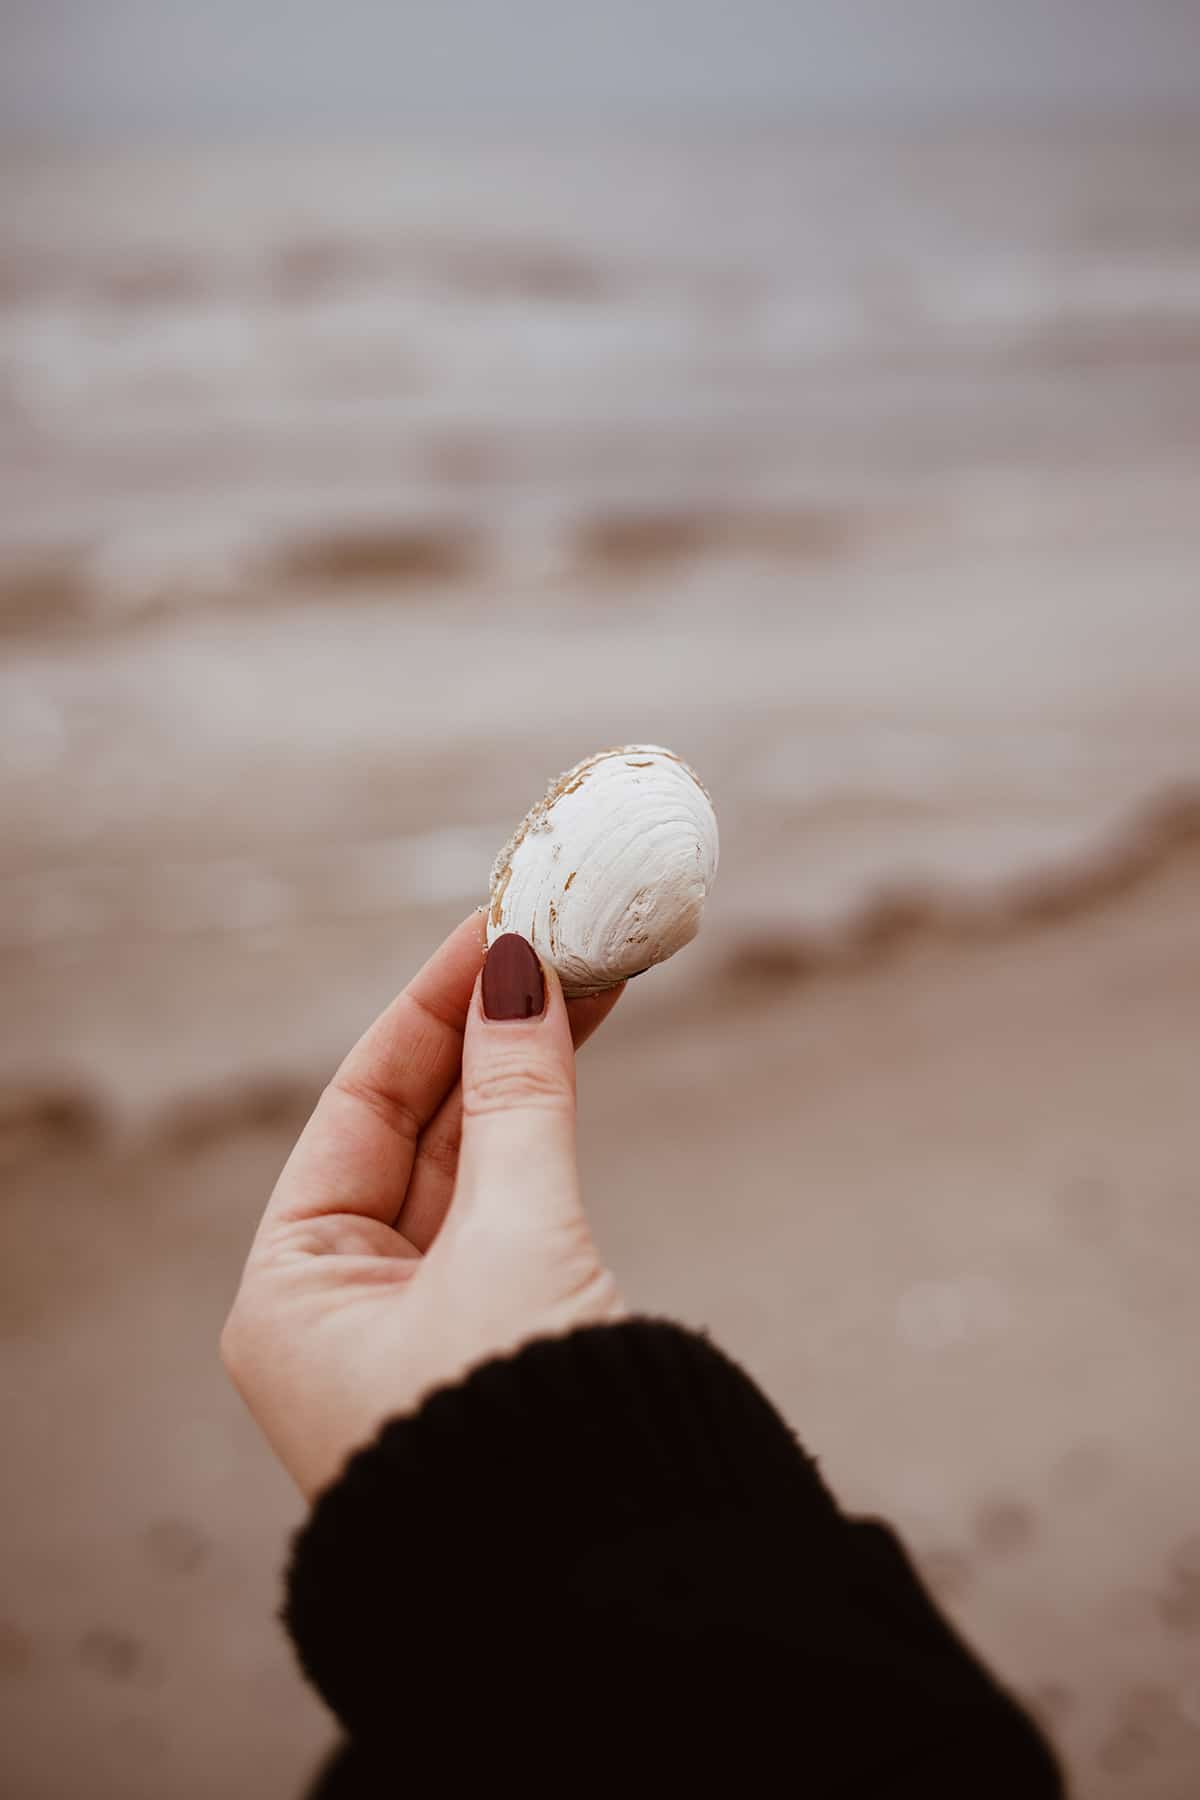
(608, 874)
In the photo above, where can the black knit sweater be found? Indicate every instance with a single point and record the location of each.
(605, 1562)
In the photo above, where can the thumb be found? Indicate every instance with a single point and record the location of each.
(518, 1091)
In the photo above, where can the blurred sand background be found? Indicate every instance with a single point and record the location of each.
(345, 497)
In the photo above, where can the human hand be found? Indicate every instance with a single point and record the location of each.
(423, 1223)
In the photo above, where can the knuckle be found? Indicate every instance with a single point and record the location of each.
(390, 1108)
(513, 1085)
(440, 1153)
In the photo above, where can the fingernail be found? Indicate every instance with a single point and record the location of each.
(513, 984)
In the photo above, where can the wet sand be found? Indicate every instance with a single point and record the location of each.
(947, 1215)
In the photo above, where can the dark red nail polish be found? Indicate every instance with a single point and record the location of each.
(513, 984)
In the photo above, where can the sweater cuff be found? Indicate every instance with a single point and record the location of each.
(507, 1496)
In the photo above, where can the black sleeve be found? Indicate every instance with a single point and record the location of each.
(607, 1557)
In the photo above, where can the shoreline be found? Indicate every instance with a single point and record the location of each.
(1161, 839)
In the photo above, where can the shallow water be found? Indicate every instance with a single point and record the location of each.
(349, 494)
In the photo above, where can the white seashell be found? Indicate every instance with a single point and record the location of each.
(609, 873)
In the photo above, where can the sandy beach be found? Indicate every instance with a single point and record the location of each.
(330, 528)
(945, 1212)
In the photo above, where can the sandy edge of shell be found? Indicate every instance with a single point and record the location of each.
(538, 815)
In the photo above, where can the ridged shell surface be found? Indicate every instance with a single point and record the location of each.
(608, 874)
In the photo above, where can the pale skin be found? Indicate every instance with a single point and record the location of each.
(429, 1217)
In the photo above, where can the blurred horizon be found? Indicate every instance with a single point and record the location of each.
(134, 70)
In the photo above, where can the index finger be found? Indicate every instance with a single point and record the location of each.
(356, 1153)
